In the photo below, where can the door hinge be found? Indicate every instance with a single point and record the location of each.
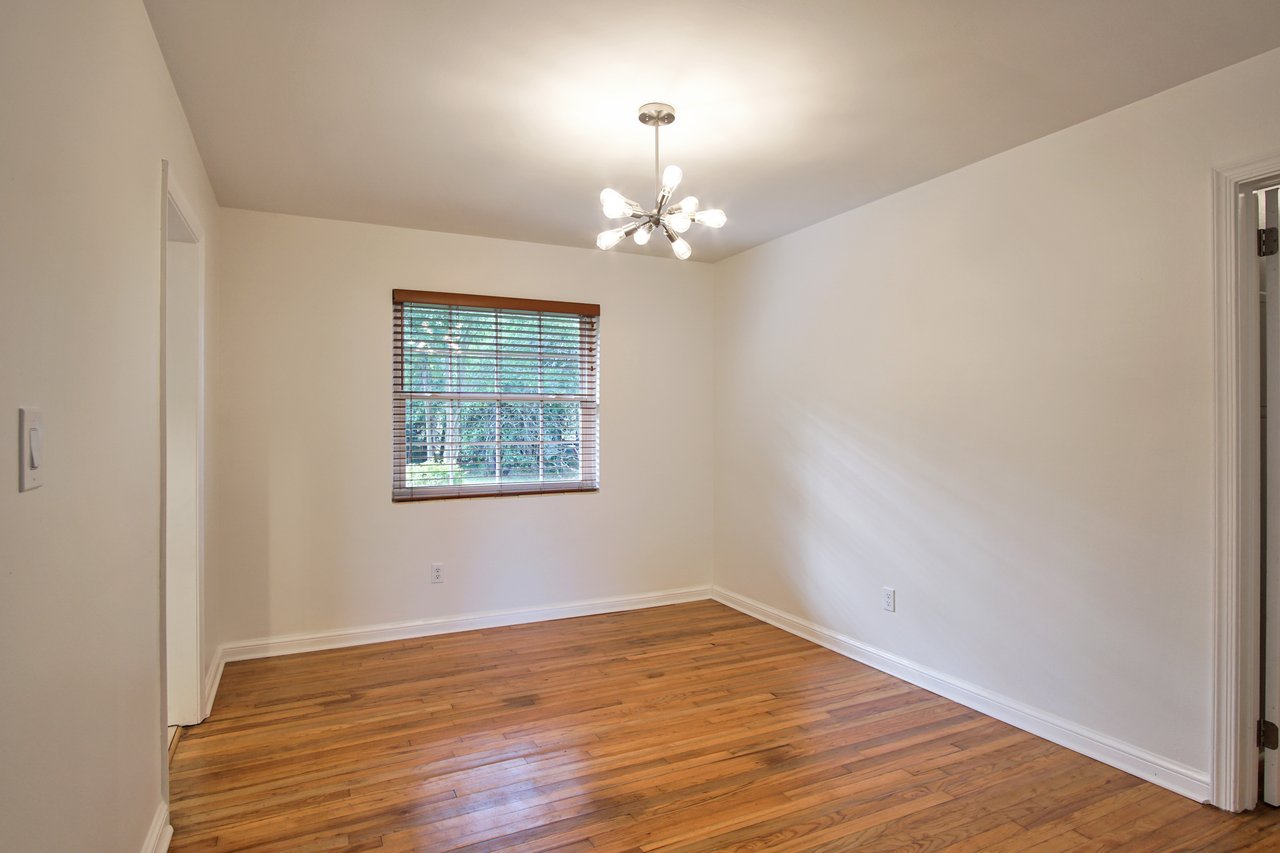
(1268, 241)
(1268, 735)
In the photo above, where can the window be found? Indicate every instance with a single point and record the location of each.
(493, 396)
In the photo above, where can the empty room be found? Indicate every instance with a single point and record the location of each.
(726, 426)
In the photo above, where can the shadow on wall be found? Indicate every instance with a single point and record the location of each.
(995, 568)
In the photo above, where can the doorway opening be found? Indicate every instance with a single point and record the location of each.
(1244, 770)
(1265, 212)
(182, 438)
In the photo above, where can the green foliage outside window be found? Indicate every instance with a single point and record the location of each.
(469, 360)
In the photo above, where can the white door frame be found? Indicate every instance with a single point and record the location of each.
(1268, 707)
(187, 603)
(1237, 465)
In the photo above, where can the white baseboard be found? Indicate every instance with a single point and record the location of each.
(160, 833)
(1165, 772)
(1124, 756)
(295, 643)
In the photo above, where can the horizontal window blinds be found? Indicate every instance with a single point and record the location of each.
(493, 396)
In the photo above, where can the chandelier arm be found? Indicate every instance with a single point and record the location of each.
(664, 196)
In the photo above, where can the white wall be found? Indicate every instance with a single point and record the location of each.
(303, 536)
(89, 111)
(993, 392)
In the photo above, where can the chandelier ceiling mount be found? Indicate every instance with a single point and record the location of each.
(656, 113)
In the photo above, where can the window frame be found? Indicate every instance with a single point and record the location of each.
(589, 413)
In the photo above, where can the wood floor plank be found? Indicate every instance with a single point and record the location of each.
(681, 729)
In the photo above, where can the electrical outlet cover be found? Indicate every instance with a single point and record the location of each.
(889, 599)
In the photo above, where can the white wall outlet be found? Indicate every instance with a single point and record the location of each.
(437, 572)
(889, 599)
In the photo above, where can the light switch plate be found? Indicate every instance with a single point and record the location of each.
(30, 448)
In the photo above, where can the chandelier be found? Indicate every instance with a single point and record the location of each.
(670, 219)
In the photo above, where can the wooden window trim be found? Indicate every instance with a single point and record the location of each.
(473, 300)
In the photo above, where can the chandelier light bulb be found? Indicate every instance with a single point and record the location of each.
(679, 222)
(644, 233)
(687, 205)
(616, 205)
(713, 218)
(611, 238)
(616, 211)
(671, 177)
(681, 248)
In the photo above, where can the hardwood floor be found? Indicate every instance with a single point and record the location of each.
(682, 728)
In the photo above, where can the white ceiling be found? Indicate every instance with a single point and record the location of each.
(505, 118)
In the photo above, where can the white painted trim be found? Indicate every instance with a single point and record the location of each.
(1162, 771)
(316, 641)
(212, 678)
(1237, 516)
(171, 192)
(160, 833)
(185, 208)
(1165, 772)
